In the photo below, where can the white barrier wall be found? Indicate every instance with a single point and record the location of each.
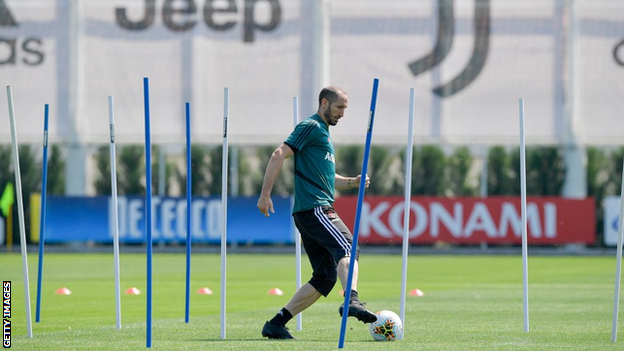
(469, 68)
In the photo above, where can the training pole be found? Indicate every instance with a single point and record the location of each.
(224, 168)
(618, 267)
(42, 214)
(297, 235)
(356, 226)
(20, 210)
(406, 210)
(148, 210)
(115, 208)
(525, 258)
(187, 310)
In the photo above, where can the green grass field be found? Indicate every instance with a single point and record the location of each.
(470, 303)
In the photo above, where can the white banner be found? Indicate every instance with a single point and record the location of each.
(611, 206)
(469, 60)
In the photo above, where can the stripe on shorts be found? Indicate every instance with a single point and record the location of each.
(342, 241)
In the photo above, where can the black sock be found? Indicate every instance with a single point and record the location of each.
(354, 296)
(282, 317)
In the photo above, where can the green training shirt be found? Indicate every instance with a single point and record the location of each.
(315, 165)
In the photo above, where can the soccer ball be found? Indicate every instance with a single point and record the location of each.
(388, 326)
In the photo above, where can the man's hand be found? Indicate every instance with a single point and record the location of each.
(358, 179)
(265, 204)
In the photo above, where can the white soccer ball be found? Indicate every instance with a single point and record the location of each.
(388, 326)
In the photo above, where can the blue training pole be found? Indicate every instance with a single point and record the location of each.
(356, 226)
(188, 213)
(44, 186)
(148, 210)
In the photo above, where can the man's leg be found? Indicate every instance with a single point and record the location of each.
(303, 298)
(323, 278)
(356, 308)
(338, 243)
(343, 273)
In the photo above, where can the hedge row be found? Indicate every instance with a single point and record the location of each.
(436, 171)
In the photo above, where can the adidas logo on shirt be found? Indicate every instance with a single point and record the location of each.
(330, 157)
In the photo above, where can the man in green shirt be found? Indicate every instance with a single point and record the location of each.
(326, 239)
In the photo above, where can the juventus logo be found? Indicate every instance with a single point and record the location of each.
(444, 42)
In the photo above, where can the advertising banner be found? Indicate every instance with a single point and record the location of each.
(493, 220)
(82, 219)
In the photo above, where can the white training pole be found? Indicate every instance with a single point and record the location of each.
(618, 267)
(224, 168)
(297, 235)
(406, 210)
(20, 209)
(525, 259)
(113, 161)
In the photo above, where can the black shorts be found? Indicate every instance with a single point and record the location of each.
(326, 240)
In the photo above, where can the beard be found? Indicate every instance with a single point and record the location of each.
(328, 117)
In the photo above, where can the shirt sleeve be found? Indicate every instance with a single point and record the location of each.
(302, 135)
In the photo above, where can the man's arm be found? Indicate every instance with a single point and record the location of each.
(265, 204)
(349, 182)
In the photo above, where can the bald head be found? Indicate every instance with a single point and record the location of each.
(331, 93)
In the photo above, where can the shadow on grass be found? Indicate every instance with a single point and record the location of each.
(278, 340)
